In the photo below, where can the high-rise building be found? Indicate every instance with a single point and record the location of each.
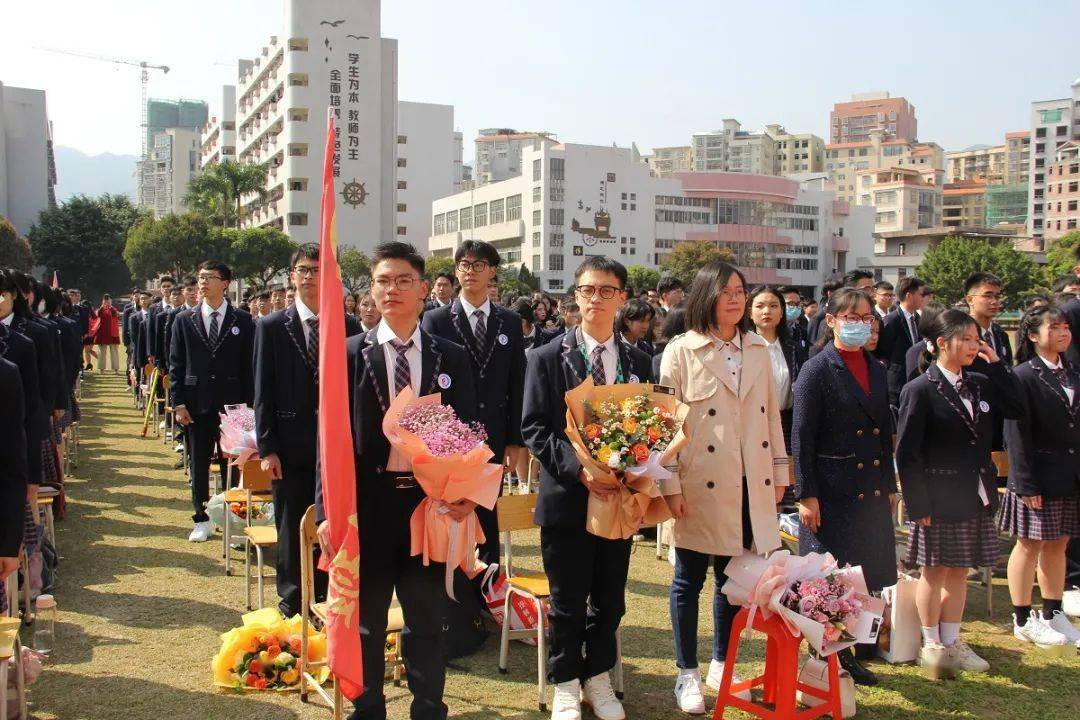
(1062, 192)
(797, 152)
(983, 163)
(773, 151)
(164, 176)
(852, 121)
(904, 199)
(27, 167)
(963, 203)
(218, 140)
(845, 161)
(1052, 126)
(1007, 205)
(1017, 156)
(164, 114)
(428, 166)
(498, 153)
(710, 149)
(667, 160)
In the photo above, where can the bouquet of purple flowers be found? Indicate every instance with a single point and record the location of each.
(441, 430)
(827, 600)
(238, 433)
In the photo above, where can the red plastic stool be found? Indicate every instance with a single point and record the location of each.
(780, 680)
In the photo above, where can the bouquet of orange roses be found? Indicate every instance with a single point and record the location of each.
(624, 435)
(264, 653)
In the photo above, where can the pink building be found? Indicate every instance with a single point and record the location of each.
(852, 121)
(1062, 192)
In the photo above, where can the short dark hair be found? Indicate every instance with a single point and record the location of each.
(446, 275)
(705, 291)
(783, 330)
(166, 278)
(981, 278)
(307, 251)
(599, 263)
(106, 296)
(909, 285)
(829, 287)
(263, 295)
(667, 284)
(846, 299)
(634, 309)
(190, 281)
(396, 250)
(524, 310)
(674, 323)
(787, 290)
(219, 267)
(1063, 280)
(884, 285)
(569, 306)
(478, 249)
(852, 277)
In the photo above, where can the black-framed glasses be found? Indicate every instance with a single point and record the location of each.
(208, 276)
(474, 265)
(404, 283)
(306, 270)
(853, 318)
(606, 291)
(991, 297)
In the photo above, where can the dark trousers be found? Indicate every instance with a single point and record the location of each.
(202, 439)
(587, 575)
(293, 495)
(386, 565)
(489, 523)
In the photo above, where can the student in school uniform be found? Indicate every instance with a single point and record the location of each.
(674, 326)
(883, 296)
(633, 321)
(367, 312)
(948, 480)
(13, 463)
(1041, 508)
(900, 331)
(381, 363)
(842, 448)
(587, 573)
(155, 317)
(985, 299)
(913, 367)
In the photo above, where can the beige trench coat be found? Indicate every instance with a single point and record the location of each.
(732, 434)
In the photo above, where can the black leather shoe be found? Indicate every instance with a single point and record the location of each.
(860, 674)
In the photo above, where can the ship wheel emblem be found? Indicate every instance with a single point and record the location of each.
(354, 193)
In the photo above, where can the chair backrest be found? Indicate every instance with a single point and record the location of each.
(1001, 461)
(514, 512)
(165, 382)
(148, 370)
(254, 478)
(309, 538)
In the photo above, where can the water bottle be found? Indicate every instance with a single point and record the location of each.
(45, 623)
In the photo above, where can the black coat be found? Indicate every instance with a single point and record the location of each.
(205, 379)
(893, 345)
(71, 344)
(815, 325)
(1004, 351)
(50, 364)
(795, 354)
(156, 315)
(498, 372)
(125, 328)
(13, 457)
(554, 369)
(1044, 442)
(140, 347)
(21, 352)
(369, 399)
(286, 393)
(941, 451)
(911, 361)
(538, 337)
(1071, 310)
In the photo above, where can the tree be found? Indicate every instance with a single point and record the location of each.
(14, 250)
(258, 254)
(687, 258)
(642, 278)
(510, 279)
(83, 241)
(175, 244)
(525, 276)
(435, 265)
(355, 269)
(218, 191)
(1061, 257)
(948, 264)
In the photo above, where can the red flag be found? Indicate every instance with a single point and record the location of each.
(55, 279)
(336, 453)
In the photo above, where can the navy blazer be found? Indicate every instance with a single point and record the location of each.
(140, 347)
(498, 370)
(538, 337)
(554, 369)
(911, 361)
(13, 457)
(205, 379)
(20, 351)
(71, 343)
(841, 438)
(125, 316)
(1044, 442)
(286, 390)
(1004, 351)
(1071, 310)
(50, 368)
(442, 363)
(942, 452)
(892, 347)
(814, 325)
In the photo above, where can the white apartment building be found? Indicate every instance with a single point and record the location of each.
(575, 201)
(796, 152)
(844, 161)
(710, 149)
(218, 139)
(428, 166)
(667, 160)
(1053, 123)
(905, 199)
(330, 54)
(773, 151)
(499, 152)
(27, 167)
(172, 161)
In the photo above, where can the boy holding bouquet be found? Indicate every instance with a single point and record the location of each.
(587, 573)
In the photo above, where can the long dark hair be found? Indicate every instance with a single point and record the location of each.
(927, 317)
(948, 324)
(705, 291)
(634, 309)
(1029, 324)
(783, 330)
(840, 301)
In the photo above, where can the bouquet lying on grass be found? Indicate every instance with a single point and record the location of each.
(624, 435)
(451, 463)
(238, 433)
(828, 605)
(264, 653)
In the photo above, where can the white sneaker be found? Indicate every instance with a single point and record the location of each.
(1061, 623)
(179, 448)
(566, 705)
(1037, 632)
(964, 658)
(201, 532)
(162, 425)
(598, 694)
(688, 695)
(716, 676)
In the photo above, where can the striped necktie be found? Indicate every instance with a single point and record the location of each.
(402, 374)
(598, 375)
(480, 331)
(214, 327)
(313, 343)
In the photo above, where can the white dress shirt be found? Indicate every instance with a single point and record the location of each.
(470, 311)
(1069, 392)
(8, 320)
(205, 310)
(610, 357)
(397, 462)
(305, 314)
(780, 373)
(907, 323)
(731, 353)
(952, 378)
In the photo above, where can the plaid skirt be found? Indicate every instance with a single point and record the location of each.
(1059, 517)
(968, 543)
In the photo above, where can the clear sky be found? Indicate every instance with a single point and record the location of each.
(592, 71)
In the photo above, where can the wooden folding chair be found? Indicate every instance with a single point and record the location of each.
(229, 534)
(395, 623)
(514, 514)
(254, 480)
(45, 499)
(11, 651)
(170, 417)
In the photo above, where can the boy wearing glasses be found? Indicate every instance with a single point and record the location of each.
(286, 418)
(985, 299)
(383, 362)
(587, 573)
(899, 331)
(492, 336)
(210, 366)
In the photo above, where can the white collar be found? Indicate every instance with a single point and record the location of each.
(220, 309)
(907, 315)
(385, 334)
(185, 306)
(1056, 366)
(470, 308)
(365, 328)
(8, 320)
(949, 375)
(591, 342)
(304, 311)
(736, 340)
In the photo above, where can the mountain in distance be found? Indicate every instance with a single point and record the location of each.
(80, 174)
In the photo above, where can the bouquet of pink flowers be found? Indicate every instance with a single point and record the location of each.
(451, 462)
(827, 600)
(238, 433)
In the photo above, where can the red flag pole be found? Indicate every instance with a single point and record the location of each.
(336, 452)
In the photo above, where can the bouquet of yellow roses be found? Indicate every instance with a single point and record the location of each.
(264, 653)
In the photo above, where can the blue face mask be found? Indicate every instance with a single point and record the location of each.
(793, 313)
(854, 335)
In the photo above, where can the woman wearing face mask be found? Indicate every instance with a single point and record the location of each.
(841, 445)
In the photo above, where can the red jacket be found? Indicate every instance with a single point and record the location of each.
(105, 326)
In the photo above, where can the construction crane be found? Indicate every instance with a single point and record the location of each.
(144, 79)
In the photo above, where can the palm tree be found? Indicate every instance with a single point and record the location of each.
(223, 185)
